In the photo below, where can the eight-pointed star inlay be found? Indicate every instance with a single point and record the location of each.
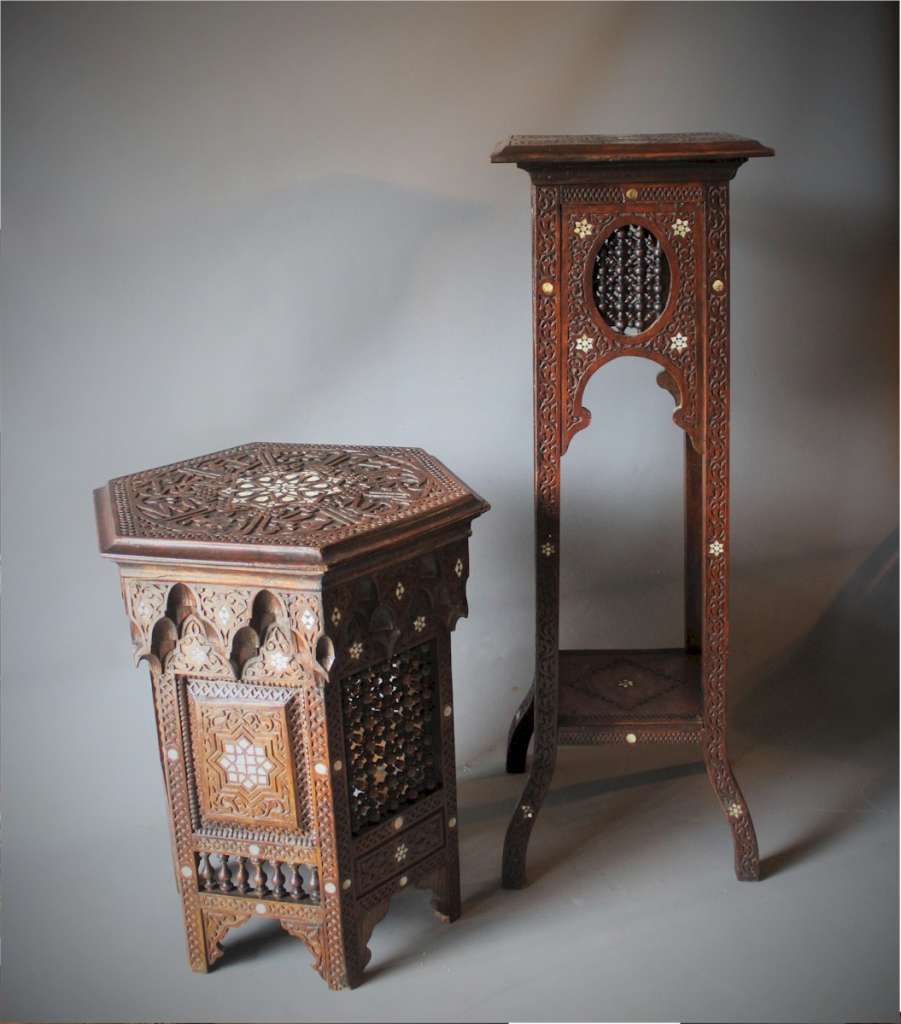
(246, 764)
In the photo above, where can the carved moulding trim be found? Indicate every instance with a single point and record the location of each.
(579, 735)
(673, 194)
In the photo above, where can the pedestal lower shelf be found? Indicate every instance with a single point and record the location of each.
(630, 696)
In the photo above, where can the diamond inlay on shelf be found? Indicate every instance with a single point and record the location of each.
(607, 687)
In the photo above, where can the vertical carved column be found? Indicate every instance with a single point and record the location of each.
(694, 539)
(341, 960)
(546, 227)
(716, 537)
(173, 753)
(446, 882)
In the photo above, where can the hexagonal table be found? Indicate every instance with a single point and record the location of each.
(295, 604)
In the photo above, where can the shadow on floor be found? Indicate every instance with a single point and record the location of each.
(834, 694)
(837, 687)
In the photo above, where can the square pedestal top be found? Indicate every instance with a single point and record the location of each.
(550, 149)
(290, 504)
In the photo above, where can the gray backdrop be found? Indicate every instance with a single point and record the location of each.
(239, 222)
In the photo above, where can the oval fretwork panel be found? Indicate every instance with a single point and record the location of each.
(631, 279)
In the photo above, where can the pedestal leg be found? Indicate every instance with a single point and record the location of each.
(544, 704)
(548, 375)
(444, 884)
(715, 541)
(725, 785)
(521, 729)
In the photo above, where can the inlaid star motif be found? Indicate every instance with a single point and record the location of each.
(584, 343)
(246, 764)
(716, 548)
(355, 650)
(308, 619)
(458, 567)
(547, 549)
(583, 228)
(681, 227)
(279, 661)
(419, 623)
(400, 854)
(399, 590)
(678, 343)
(195, 652)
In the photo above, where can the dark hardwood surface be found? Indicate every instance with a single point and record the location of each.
(294, 604)
(629, 686)
(630, 254)
(542, 149)
(279, 503)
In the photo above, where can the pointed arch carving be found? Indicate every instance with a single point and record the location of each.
(671, 379)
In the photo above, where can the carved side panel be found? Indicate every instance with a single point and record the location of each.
(673, 216)
(243, 762)
(369, 618)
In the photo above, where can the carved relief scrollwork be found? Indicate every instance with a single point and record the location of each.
(282, 493)
(145, 604)
(197, 653)
(277, 659)
(226, 609)
(310, 935)
(222, 913)
(205, 641)
(217, 924)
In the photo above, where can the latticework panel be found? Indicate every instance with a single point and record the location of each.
(631, 279)
(392, 734)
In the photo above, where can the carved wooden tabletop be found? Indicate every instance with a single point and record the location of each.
(525, 149)
(290, 503)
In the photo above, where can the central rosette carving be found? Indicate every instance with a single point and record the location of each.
(287, 488)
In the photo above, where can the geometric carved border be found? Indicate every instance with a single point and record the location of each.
(243, 763)
(216, 713)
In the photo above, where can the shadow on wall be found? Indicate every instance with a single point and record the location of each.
(838, 687)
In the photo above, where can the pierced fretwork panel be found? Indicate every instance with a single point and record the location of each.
(391, 731)
(631, 279)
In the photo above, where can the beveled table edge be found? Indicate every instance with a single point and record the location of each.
(614, 149)
(113, 545)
